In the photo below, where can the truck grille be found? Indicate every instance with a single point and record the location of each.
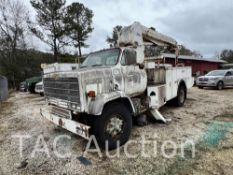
(62, 88)
(39, 87)
(61, 112)
(203, 79)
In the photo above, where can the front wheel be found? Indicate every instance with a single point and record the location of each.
(113, 127)
(220, 85)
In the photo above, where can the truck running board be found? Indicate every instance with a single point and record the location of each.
(157, 115)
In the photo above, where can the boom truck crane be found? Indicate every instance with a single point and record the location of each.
(114, 86)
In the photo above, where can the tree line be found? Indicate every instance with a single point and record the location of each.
(59, 25)
(226, 54)
(56, 24)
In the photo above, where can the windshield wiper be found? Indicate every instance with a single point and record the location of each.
(94, 65)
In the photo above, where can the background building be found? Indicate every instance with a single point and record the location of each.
(200, 66)
(227, 66)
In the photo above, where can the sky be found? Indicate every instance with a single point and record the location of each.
(205, 26)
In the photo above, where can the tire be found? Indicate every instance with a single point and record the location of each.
(104, 130)
(220, 85)
(41, 94)
(200, 87)
(32, 88)
(181, 96)
(141, 120)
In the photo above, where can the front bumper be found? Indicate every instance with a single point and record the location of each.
(22, 88)
(68, 124)
(39, 91)
(206, 83)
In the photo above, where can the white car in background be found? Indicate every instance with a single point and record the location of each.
(216, 78)
(40, 88)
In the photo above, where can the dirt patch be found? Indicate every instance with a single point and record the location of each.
(195, 121)
(5, 106)
(214, 151)
(224, 117)
(211, 162)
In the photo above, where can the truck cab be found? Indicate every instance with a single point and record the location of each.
(127, 76)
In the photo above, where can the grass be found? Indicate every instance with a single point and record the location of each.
(216, 131)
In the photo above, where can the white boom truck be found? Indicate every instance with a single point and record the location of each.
(113, 86)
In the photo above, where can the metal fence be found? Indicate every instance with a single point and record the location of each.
(3, 88)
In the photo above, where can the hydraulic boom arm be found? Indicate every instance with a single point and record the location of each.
(139, 36)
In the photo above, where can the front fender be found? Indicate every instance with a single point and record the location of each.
(96, 106)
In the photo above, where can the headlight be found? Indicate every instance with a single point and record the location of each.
(91, 94)
(214, 79)
(74, 106)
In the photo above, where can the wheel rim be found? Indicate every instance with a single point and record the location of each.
(220, 86)
(182, 96)
(115, 126)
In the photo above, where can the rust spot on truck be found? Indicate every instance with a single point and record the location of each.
(82, 130)
(60, 122)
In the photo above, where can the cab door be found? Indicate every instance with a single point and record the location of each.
(231, 82)
(229, 78)
(135, 79)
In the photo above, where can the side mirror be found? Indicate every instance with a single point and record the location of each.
(141, 66)
(130, 57)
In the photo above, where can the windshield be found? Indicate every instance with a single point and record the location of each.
(216, 73)
(102, 58)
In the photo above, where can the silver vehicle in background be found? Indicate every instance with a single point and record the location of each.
(216, 78)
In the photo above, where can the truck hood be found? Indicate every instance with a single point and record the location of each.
(82, 72)
(210, 77)
(59, 67)
(97, 71)
(99, 78)
(33, 80)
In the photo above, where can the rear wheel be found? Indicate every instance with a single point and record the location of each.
(220, 85)
(200, 87)
(113, 127)
(181, 96)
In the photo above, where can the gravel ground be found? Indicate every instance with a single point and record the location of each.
(20, 115)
